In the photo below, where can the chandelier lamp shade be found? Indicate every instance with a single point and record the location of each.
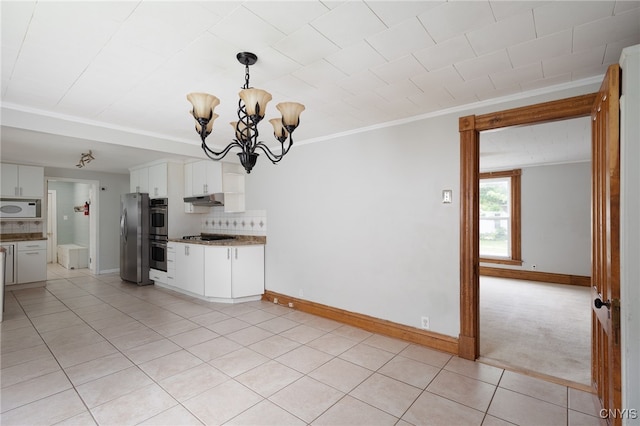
(252, 106)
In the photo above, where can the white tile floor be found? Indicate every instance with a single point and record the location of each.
(94, 350)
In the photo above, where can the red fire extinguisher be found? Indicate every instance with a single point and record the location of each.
(86, 208)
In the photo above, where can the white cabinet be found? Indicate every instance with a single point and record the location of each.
(210, 177)
(170, 278)
(158, 276)
(151, 179)
(215, 273)
(31, 261)
(189, 267)
(22, 181)
(234, 271)
(158, 181)
(202, 178)
(139, 180)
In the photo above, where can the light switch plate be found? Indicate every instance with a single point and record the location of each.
(447, 196)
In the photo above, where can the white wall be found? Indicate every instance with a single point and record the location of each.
(357, 222)
(556, 218)
(630, 231)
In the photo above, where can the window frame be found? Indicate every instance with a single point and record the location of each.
(515, 231)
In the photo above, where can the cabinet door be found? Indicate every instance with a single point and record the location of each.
(217, 272)
(139, 180)
(247, 271)
(9, 179)
(134, 181)
(158, 181)
(207, 177)
(31, 181)
(31, 265)
(190, 268)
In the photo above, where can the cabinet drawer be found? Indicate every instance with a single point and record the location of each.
(32, 245)
(156, 275)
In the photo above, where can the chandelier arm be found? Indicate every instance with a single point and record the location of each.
(214, 155)
(274, 158)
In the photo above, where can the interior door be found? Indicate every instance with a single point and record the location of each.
(606, 364)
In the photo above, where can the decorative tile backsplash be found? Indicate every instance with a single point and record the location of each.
(21, 226)
(250, 222)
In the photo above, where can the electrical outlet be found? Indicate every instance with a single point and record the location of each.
(291, 304)
(275, 300)
(425, 323)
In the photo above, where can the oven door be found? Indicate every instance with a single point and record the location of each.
(158, 221)
(158, 254)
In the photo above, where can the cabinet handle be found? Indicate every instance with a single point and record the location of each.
(32, 253)
(236, 254)
(31, 245)
(228, 253)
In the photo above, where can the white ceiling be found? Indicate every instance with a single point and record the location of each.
(112, 76)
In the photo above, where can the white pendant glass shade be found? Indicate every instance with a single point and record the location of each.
(290, 113)
(278, 130)
(203, 104)
(255, 101)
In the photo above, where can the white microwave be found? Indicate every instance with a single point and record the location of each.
(19, 208)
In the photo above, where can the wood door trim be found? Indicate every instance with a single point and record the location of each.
(470, 128)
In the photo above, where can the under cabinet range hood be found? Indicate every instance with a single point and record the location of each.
(210, 200)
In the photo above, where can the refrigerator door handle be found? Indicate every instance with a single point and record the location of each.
(123, 225)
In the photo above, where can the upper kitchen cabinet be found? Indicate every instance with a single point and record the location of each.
(22, 181)
(210, 177)
(150, 179)
(202, 178)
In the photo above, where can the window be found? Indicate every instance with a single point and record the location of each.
(500, 217)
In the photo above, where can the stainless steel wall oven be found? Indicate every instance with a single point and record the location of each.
(158, 217)
(158, 233)
(158, 253)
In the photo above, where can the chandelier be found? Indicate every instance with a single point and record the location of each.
(251, 109)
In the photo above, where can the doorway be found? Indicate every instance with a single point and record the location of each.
(535, 238)
(470, 128)
(72, 206)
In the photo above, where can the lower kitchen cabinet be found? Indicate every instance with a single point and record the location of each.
(226, 274)
(31, 261)
(234, 272)
(189, 268)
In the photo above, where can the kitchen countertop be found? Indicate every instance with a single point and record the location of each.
(238, 240)
(9, 238)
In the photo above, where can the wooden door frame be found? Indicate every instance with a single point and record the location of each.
(470, 128)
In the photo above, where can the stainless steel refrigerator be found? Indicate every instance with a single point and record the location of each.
(134, 238)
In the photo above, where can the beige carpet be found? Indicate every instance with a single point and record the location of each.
(540, 327)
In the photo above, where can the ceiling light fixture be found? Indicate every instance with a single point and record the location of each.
(251, 109)
(85, 158)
